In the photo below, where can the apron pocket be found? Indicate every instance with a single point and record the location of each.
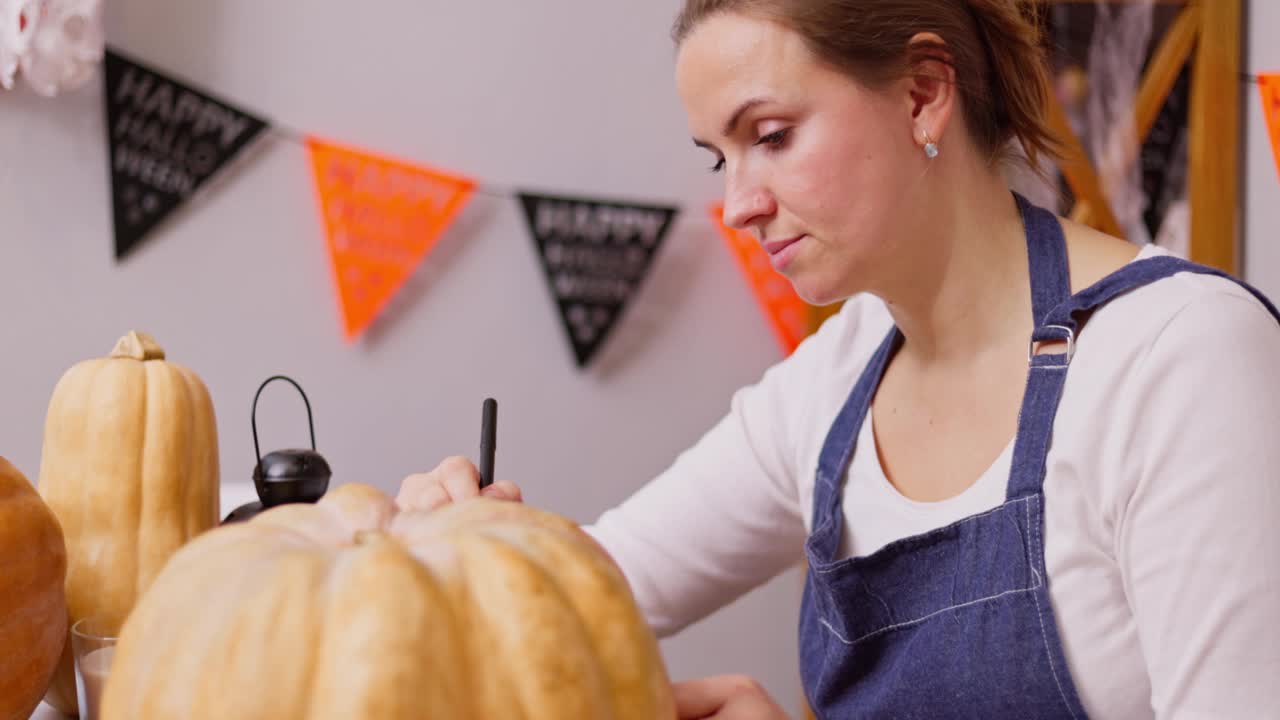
(974, 561)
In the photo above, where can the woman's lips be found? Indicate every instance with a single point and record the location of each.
(773, 247)
(782, 251)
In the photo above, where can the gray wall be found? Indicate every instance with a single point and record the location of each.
(1262, 178)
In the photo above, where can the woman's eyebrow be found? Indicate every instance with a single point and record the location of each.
(732, 124)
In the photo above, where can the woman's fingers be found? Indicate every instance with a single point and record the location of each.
(459, 478)
(503, 490)
(455, 479)
(725, 697)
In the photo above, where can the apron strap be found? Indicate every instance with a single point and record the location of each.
(828, 490)
(1047, 256)
(1130, 277)
(1048, 373)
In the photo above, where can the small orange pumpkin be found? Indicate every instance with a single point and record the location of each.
(33, 605)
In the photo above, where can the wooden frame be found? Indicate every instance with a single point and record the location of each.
(1208, 32)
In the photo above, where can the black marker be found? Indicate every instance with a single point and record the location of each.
(488, 441)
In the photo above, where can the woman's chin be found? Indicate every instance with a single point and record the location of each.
(816, 292)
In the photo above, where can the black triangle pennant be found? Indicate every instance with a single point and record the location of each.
(595, 254)
(165, 140)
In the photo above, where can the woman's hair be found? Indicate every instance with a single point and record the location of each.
(994, 47)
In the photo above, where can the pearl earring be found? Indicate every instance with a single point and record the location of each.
(930, 147)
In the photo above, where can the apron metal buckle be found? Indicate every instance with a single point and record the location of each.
(1045, 334)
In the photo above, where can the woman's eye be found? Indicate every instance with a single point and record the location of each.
(774, 138)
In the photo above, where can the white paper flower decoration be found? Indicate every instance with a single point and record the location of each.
(16, 29)
(56, 44)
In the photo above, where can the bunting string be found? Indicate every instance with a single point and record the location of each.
(382, 215)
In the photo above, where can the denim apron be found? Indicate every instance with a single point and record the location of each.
(956, 622)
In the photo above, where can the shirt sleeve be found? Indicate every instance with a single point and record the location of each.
(726, 516)
(1198, 540)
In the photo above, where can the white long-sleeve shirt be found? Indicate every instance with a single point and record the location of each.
(1162, 498)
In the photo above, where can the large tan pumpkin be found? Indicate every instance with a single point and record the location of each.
(350, 609)
(33, 606)
(130, 467)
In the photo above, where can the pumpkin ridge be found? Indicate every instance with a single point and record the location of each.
(102, 589)
(204, 493)
(166, 470)
(479, 645)
(604, 603)
(187, 489)
(373, 580)
(512, 534)
(329, 587)
(211, 637)
(531, 613)
(140, 511)
(319, 580)
(208, 642)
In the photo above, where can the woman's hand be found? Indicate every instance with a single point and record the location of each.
(725, 697)
(453, 480)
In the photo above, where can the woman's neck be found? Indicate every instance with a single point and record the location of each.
(962, 288)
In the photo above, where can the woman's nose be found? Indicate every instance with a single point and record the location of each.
(746, 203)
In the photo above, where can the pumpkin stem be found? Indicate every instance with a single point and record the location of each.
(137, 346)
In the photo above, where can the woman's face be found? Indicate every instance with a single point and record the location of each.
(818, 166)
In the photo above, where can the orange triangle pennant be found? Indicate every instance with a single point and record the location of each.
(788, 315)
(382, 216)
(1270, 85)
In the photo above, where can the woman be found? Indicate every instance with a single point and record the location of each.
(1006, 512)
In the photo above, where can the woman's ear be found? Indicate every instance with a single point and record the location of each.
(931, 88)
